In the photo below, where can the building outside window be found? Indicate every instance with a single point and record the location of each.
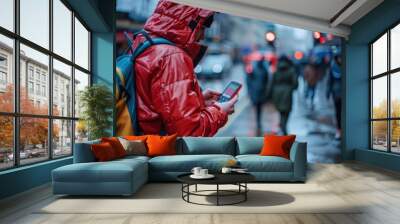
(30, 87)
(58, 128)
(43, 90)
(3, 77)
(3, 72)
(385, 91)
(30, 72)
(38, 89)
(37, 74)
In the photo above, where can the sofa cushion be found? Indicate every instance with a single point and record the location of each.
(275, 145)
(185, 163)
(207, 145)
(83, 152)
(257, 163)
(161, 145)
(134, 147)
(112, 171)
(249, 145)
(103, 152)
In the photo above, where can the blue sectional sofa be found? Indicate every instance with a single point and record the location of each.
(125, 176)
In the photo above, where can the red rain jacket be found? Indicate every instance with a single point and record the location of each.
(168, 95)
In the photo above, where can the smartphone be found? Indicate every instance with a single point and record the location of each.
(231, 90)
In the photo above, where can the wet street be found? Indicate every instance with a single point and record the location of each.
(314, 125)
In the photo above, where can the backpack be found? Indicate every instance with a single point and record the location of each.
(125, 85)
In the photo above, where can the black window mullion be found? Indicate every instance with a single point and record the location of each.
(371, 140)
(389, 106)
(73, 82)
(16, 70)
(50, 87)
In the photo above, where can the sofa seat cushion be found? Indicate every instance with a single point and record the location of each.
(113, 171)
(185, 163)
(257, 163)
(206, 145)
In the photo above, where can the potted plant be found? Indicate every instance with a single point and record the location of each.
(96, 103)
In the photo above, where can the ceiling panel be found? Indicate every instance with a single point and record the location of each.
(321, 9)
(315, 15)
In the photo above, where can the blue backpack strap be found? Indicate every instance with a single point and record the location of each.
(126, 80)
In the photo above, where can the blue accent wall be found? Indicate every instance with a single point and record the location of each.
(356, 140)
(99, 16)
(24, 178)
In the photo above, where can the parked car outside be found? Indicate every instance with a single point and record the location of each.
(215, 65)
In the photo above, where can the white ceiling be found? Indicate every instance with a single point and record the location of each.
(316, 15)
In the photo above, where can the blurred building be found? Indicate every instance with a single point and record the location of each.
(34, 79)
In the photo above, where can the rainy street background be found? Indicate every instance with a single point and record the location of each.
(230, 40)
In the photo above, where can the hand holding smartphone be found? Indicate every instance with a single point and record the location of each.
(230, 91)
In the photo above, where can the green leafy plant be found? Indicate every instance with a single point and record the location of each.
(96, 103)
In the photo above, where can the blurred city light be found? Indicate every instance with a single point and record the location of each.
(317, 35)
(270, 36)
(298, 55)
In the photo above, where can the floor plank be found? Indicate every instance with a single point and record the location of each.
(377, 190)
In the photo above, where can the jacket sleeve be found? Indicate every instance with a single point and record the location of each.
(180, 102)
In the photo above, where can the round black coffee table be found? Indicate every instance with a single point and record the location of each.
(238, 179)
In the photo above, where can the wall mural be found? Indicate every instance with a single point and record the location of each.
(200, 73)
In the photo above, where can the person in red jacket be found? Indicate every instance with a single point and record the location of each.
(169, 98)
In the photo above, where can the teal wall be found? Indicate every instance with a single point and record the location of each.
(356, 104)
(24, 178)
(99, 16)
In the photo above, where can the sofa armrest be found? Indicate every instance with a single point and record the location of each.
(298, 155)
(83, 152)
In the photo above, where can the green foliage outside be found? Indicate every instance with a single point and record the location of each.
(379, 128)
(96, 102)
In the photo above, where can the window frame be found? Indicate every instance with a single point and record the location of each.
(16, 115)
(388, 74)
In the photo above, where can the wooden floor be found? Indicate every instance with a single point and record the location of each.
(377, 188)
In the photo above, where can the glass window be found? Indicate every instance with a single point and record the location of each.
(6, 70)
(6, 142)
(379, 56)
(62, 72)
(395, 47)
(379, 98)
(40, 62)
(395, 136)
(81, 82)
(34, 142)
(7, 14)
(395, 95)
(384, 81)
(379, 133)
(30, 87)
(81, 45)
(81, 131)
(62, 137)
(34, 79)
(35, 21)
(30, 71)
(62, 29)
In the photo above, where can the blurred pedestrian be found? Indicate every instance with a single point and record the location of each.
(311, 78)
(257, 80)
(319, 61)
(283, 84)
(335, 90)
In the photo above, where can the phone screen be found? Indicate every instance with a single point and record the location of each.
(230, 91)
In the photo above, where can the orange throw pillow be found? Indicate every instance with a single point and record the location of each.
(116, 145)
(103, 152)
(135, 138)
(161, 145)
(275, 145)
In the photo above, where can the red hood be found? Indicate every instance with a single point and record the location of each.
(171, 21)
